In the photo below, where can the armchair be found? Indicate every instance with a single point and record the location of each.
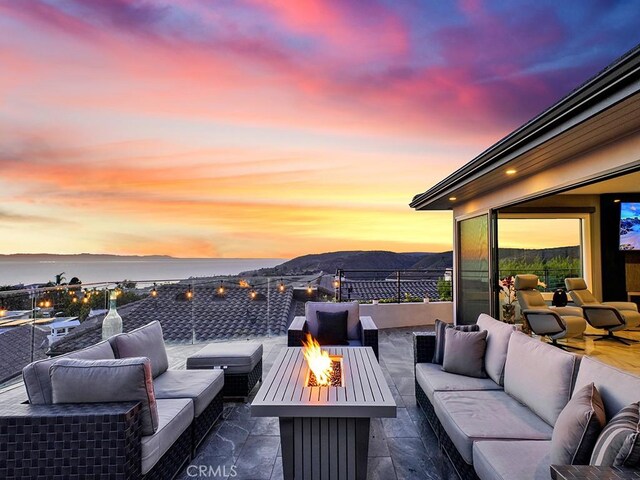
(609, 316)
(361, 331)
(555, 323)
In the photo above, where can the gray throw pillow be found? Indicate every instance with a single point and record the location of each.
(145, 341)
(102, 381)
(619, 443)
(577, 428)
(464, 352)
(440, 327)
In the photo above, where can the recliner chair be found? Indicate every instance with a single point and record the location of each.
(609, 316)
(553, 322)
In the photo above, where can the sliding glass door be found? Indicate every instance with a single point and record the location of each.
(473, 286)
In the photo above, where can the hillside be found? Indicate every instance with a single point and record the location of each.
(355, 260)
(384, 260)
(543, 254)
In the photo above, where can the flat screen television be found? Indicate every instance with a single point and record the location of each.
(630, 226)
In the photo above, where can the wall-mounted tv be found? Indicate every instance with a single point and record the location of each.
(630, 226)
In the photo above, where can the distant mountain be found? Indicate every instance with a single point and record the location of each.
(53, 257)
(351, 260)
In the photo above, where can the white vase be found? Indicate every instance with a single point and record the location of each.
(112, 323)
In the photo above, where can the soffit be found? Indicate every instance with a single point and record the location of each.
(614, 123)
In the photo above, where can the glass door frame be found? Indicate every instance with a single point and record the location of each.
(492, 242)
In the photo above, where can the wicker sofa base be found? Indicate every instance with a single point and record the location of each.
(174, 459)
(67, 441)
(241, 384)
(203, 423)
(462, 468)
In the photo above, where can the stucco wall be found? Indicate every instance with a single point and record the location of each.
(392, 315)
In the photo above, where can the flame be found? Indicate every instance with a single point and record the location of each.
(318, 360)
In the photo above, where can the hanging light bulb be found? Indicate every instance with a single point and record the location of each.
(85, 299)
(253, 294)
(3, 310)
(336, 283)
(154, 291)
(47, 303)
(189, 294)
(221, 289)
(281, 287)
(309, 289)
(74, 299)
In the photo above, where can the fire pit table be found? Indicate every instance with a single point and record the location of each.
(324, 431)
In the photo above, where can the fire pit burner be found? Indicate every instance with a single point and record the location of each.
(335, 377)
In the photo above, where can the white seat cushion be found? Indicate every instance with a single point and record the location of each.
(432, 378)
(523, 460)
(201, 386)
(175, 417)
(486, 415)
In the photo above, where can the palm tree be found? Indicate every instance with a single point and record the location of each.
(60, 278)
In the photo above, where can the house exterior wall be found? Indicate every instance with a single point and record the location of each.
(616, 156)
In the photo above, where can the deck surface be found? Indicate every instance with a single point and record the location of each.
(365, 392)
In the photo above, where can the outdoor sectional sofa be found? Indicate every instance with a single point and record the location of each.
(500, 427)
(43, 439)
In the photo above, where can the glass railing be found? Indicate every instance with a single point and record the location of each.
(37, 322)
(393, 286)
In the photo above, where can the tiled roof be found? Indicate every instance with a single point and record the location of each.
(379, 289)
(15, 346)
(205, 317)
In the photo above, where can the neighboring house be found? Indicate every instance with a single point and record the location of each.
(579, 159)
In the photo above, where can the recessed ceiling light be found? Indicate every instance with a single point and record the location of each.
(617, 200)
(511, 171)
(453, 198)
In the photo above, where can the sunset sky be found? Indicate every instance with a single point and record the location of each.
(266, 128)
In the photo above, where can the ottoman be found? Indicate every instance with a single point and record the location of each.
(240, 361)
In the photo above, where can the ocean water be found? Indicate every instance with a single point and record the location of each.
(114, 270)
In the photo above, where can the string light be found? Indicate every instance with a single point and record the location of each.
(309, 289)
(47, 303)
(189, 294)
(3, 310)
(221, 289)
(74, 299)
(253, 294)
(154, 291)
(336, 283)
(281, 286)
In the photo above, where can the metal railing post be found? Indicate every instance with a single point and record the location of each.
(398, 286)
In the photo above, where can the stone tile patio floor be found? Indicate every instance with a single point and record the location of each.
(400, 448)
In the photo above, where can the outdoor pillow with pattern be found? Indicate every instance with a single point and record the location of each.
(438, 352)
(619, 443)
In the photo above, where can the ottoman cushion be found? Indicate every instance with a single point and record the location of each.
(238, 357)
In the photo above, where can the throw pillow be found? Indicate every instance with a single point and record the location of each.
(464, 352)
(577, 428)
(440, 328)
(619, 443)
(332, 328)
(102, 381)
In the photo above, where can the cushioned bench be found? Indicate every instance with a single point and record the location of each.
(241, 363)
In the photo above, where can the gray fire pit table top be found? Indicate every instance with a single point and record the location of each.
(365, 393)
